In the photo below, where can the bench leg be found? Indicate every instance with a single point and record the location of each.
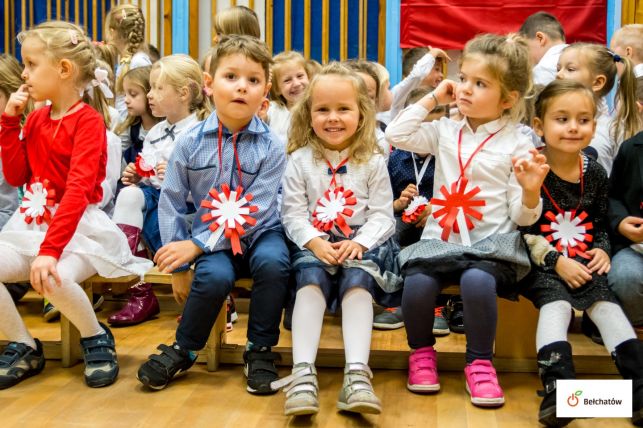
(217, 337)
(70, 336)
(516, 331)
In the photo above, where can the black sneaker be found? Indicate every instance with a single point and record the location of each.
(456, 318)
(19, 361)
(17, 291)
(260, 370)
(157, 372)
(101, 364)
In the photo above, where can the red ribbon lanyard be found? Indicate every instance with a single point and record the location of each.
(234, 148)
(475, 152)
(559, 209)
(333, 182)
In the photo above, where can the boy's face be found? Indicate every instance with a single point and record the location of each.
(238, 88)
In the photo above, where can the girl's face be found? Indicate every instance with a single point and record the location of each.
(292, 82)
(371, 86)
(334, 111)
(40, 72)
(436, 76)
(568, 124)
(386, 96)
(135, 98)
(164, 100)
(572, 65)
(479, 95)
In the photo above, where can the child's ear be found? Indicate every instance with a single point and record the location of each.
(542, 38)
(599, 82)
(639, 107)
(629, 52)
(65, 68)
(538, 126)
(184, 93)
(510, 100)
(207, 79)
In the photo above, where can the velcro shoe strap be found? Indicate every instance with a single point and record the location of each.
(356, 387)
(357, 379)
(170, 354)
(99, 357)
(358, 367)
(296, 389)
(164, 360)
(99, 343)
(301, 372)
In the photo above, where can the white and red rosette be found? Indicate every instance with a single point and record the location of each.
(458, 210)
(145, 163)
(568, 233)
(415, 209)
(228, 214)
(331, 209)
(37, 202)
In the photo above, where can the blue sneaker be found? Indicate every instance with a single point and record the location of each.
(389, 319)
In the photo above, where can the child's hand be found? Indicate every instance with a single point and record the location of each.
(530, 174)
(445, 92)
(632, 228)
(575, 274)
(161, 167)
(600, 261)
(17, 102)
(41, 268)
(348, 249)
(130, 177)
(439, 53)
(423, 217)
(181, 284)
(323, 250)
(405, 198)
(176, 254)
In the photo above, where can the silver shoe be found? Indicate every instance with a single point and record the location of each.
(357, 394)
(301, 390)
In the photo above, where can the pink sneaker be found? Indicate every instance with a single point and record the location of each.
(482, 384)
(423, 370)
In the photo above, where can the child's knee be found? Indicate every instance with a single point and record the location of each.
(130, 197)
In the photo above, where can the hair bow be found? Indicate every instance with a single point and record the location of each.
(100, 80)
(73, 36)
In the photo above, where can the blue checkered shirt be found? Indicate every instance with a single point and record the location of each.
(194, 169)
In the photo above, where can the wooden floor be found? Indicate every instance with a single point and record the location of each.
(59, 398)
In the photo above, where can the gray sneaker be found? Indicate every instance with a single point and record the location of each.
(301, 389)
(357, 394)
(440, 322)
(389, 319)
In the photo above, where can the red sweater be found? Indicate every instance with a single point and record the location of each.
(74, 164)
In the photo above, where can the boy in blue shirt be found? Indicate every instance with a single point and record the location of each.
(232, 147)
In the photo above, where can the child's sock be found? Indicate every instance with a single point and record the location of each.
(357, 325)
(10, 321)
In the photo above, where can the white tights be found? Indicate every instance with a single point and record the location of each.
(129, 207)
(308, 317)
(612, 323)
(69, 298)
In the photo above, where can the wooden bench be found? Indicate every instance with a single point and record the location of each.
(515, 349)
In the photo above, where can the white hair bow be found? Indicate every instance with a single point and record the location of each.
(101, 81)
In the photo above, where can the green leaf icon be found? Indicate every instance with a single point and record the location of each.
(578, 393)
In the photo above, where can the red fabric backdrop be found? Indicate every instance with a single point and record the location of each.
(449, 24)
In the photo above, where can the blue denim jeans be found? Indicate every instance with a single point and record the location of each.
(625, 278)
(268, 264)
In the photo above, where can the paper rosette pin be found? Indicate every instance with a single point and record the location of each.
(37, 201)
(331, 209)
(458, 209)
(568, 233)
(228, 213)
(415, 209)
(145, 164)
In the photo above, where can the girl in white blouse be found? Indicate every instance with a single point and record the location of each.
(487, 181)
(338, 213)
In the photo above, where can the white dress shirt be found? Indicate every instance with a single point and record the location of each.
(305, 181)
(160, 142)
(491, 168)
